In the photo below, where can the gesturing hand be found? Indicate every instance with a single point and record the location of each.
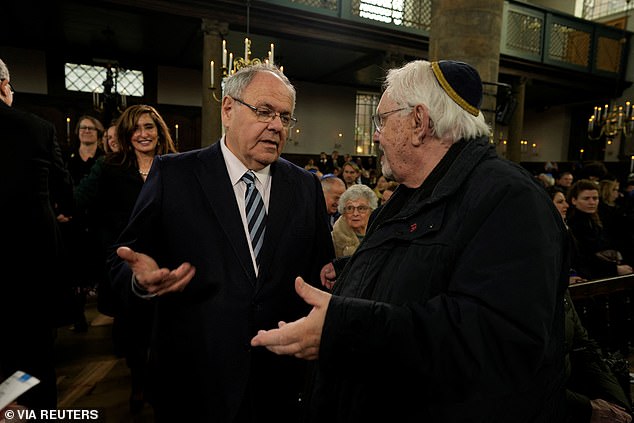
(302, 337)
(606, 412)
(151, 278)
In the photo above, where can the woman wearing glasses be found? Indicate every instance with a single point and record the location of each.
(79, 233)
(355, 205)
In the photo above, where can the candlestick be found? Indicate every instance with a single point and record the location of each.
(211, 71)
(631, 164)
(272, 54)
(246, 50)
(224, 53)
(68, 127)
(230, 64)
(176, 132)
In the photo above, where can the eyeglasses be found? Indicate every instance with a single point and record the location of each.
(360, 209)
(264, 114)
(87, 128)
(379, 121)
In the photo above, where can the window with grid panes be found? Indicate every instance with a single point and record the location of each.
(90, 78)
(363, 127)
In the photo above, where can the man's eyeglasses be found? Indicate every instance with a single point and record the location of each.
(264, 114)
(87, 128)
(360, 209)
(379, 119)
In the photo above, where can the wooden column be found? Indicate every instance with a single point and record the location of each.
(211, 125)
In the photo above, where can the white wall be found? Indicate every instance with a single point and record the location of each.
(323, 112)
(550, 130)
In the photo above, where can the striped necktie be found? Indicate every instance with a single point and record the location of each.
(256, 214)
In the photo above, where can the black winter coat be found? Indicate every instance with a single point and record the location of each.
(451, 310)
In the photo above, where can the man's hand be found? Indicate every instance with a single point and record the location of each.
(302, 337)
(606, 412)
(151, 278)
(327, 276)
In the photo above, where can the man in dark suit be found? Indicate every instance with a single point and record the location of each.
(32, 177)
(187, 248)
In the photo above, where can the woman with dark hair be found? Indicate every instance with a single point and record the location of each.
(113, 187)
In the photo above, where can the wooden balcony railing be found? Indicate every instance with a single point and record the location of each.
(606, 309)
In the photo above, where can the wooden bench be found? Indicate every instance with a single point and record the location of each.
(605, 307)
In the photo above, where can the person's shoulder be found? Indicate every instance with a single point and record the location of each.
(290, 168)
(26, 118)
(183, 156)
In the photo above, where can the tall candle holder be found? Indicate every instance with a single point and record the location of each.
(231, 65)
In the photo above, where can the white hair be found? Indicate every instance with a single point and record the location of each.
(356, 192)
(4, 71)
(415, 83)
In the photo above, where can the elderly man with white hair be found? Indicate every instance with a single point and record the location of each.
(451, 309)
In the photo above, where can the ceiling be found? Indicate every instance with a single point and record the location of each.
(311, 48)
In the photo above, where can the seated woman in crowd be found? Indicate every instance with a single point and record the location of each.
(355, 206)
(597, 253)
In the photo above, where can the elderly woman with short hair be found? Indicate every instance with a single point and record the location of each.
(355, 206)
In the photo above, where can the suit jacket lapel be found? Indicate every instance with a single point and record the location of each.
(214, 180)
(280, 204)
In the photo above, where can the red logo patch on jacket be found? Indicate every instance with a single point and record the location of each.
(412, 227)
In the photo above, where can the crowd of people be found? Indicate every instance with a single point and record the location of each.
(244, 288)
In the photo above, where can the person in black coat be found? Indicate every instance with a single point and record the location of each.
(451, 309)
(33, 182)
(187, 249)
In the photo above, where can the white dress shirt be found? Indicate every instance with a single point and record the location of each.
(236, 170)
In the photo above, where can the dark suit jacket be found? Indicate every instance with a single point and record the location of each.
(203, 366)
(32, 178)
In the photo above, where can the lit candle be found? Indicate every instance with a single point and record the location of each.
(628, 110)
(591, 124)
(581, 154)
(224, 54)
(67, 127)
(230, 63)
(211, 71)
(177, 132)
(631, 164)
(246, 49)
(272, 54)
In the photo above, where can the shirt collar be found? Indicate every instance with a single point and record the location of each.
(236, 168)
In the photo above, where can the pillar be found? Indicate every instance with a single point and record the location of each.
(469, 31)
(211, 125)
(516, 125)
